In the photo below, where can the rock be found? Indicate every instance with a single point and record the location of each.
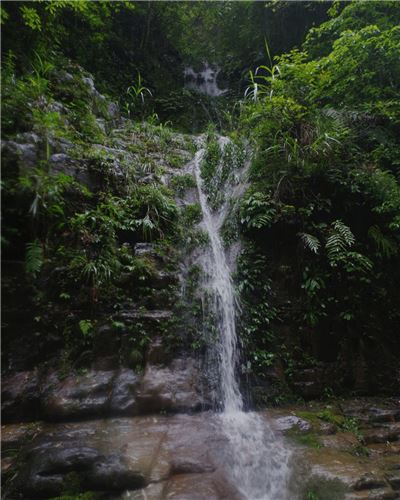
(145, 249)
(22, 156)
(123, 397)
(77, 396)
(372, 410)
(385, 433)
(368, 482)
(175, 388)
(154, 491)
(114, 473)
(327, 428)
(193, 487)
(377, 494)
(28, 137)
(13, 436)
(153, 321)
(384, 415)
(110, 455)
(113, 111)
(101, 123)
(339, 441)
(48, 466)
(308, 390)
(63, 163)
(156, 354)
(20, 396)
(284, 424)
(393, 478)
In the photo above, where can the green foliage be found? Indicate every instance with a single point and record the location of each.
(322, 488)
(308, 439)
(323, 198)
(86, 327)
(181, 183)
(135, 95)
(257, 211)
(34, 258)
(340, 240)
(311, 242)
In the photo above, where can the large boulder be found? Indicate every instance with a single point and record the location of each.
(123, 397)
(101, 455)
(20, 396)
(174, 388)
(77, 396)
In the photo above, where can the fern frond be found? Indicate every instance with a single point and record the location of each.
(34, 258)
(386, 246)
(339, 241)
(311, 242)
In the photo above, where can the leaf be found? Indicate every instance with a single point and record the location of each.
(311, 242)
(34, 258)
(85, 326)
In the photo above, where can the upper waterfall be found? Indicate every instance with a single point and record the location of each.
(204, 81)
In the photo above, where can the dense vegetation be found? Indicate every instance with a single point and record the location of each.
(320, 220)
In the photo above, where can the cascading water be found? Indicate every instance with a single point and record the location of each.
(257, 458)
(204, 80)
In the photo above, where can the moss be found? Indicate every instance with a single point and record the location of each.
(321, 488)
(333, 418)
(309, 439)
(309, 416)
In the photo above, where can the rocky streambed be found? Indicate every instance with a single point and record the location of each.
(119, 434)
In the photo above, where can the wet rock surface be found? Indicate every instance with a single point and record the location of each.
(361, 451)
(176, 387)
(184, 456)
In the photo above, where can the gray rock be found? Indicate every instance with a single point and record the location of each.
(114, 473)
(123, 397)
(20, 395)
(77, 396)
(23, 157)
(78, 170)
(113, 111)
(49, 462)
(286, 423)
(383, 434)
(175, 388)
(156, 354)
(393, 477)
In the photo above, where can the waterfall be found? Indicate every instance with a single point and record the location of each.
(257, 461)
(204, 81)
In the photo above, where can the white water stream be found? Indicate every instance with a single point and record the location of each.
(258, 459)
(204, 80)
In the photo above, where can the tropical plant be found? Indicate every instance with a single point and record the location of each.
(34, 258)
(135, 94)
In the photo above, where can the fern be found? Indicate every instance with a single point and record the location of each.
(33, 258)
(340, 240)
(386, 246)
(311, 242)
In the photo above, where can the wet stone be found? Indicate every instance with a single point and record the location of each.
(382, 434)
(393, 479)
(15, 435)
(77, 396)
(378, 494)
(20, 395)
(123, 398)
(286, 423)
(175, 388)
(369, 481)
